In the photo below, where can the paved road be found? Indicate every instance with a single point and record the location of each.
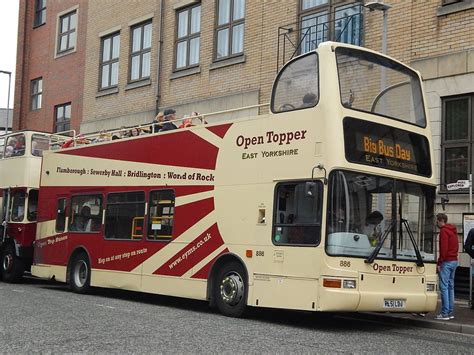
(39, 316)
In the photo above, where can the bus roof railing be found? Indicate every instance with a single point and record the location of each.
(67, 139)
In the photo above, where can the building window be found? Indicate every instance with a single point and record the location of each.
(36, 93)
(320, 21)
(188, 37)
(297, 215)
(62, 115)
(124, 215)
(161, 215)
(67, 32)
(457, 138)
(40, 13)
(109, 61)
(230, 28)
(140, 56)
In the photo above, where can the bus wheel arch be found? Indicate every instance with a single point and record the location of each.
(228, 285)
(12, 266)
(79, 271)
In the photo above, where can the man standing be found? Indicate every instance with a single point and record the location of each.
(170, 115)
(447, 264)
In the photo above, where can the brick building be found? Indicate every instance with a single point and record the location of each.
(139, 57)
(50, 65)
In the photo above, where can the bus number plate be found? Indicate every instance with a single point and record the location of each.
(394, 304)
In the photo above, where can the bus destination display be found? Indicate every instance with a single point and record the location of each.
(386, 147)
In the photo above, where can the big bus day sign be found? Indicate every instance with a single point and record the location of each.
(386, 147)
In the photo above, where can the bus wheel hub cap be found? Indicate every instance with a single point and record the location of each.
(81, 273)
(7, 262)
(232, 289)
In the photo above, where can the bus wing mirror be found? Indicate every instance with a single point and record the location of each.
(310, 189)
(444, 201)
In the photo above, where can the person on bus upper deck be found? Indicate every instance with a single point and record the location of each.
(10, 147)
(309, 100)
(19, 148)
(133, 132)
(157, 122)
(372, 227)
(170, 115)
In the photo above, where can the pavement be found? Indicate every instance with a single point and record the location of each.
(463, 321)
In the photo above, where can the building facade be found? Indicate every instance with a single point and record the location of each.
(135, 58)
(50, 65)
(6, 117)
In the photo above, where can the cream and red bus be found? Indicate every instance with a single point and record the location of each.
(20, 165)
(274, 210)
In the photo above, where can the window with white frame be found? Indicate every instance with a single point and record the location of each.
(109, 61)
(230, 28)
(188, 37)
(36, 93)
(67, 32)
(140, 54)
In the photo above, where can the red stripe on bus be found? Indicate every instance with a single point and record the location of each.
(190, 190)
(204, 272)
(191, 213)
(192, 253)
(179, 148)
(221, 130)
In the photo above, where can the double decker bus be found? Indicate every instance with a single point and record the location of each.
(20, 165)
(326, 203)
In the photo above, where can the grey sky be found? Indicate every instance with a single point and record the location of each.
(8, 38)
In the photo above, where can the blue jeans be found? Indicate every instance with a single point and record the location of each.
(446, 286)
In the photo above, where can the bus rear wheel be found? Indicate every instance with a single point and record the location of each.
(12, 266)
(80, 274)
(230, 289)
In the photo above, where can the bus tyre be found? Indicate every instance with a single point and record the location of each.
(230, 289)
(12, 266)
(80, 274)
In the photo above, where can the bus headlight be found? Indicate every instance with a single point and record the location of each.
(430, 287)
(349, 284)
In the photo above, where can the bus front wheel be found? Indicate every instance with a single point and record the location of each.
(12, 266)
(80, 274)
(230, 289)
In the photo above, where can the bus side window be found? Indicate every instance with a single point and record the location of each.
(124, 215)
(2, 147)
(161, 215)
(18, 206)
(85, 214)
(39, 143)
(61, 215)
(32, 205)
(297, 85)
(297, 217)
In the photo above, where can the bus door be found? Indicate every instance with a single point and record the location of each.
(5, 214)
(296, 236)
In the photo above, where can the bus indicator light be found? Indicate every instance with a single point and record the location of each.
(332, 283)
(248, 253)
